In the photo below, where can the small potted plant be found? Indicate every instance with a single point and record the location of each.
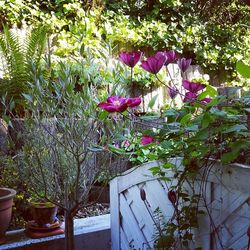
(6, 202)
(44, 213)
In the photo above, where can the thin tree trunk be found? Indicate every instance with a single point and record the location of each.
(69, 231)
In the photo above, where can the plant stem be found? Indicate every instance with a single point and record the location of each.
(131, 75)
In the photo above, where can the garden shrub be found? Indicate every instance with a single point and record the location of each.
(213, 33)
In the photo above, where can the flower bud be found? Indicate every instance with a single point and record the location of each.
(172, 196)
(143, 194)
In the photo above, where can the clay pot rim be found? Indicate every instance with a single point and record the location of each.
(8, 196)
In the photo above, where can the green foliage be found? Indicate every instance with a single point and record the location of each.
(213, 33)
(20, 53)
(243, 69)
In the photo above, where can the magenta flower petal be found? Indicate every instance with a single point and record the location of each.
(184, 63)
(154, 63)
(130, 58)
(146, 139)
(206, 100)
(108, 107)
(170, 55)
(116, 99)
(190, 97)
(192, 86)
(133, 102)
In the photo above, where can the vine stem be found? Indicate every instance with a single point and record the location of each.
(131, 75)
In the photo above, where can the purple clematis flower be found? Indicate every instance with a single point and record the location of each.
(146, 139)
(184, 63)
(114, 104)
(154, 63)
(190, 97)
(192, 86)
(172, 92)
(133, 102)
(119, 103)
(130, 58)
(170, 55)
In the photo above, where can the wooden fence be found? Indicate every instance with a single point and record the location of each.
(227, 196)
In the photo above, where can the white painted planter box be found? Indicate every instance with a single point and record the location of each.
(92, 233)
(227, 194)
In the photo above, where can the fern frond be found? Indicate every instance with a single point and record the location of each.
(20, 54)
(35, 44)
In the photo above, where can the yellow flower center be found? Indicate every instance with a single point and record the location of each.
(116, 103)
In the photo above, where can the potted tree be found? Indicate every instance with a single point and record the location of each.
(59, 152)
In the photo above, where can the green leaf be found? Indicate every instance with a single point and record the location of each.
(27, 97)
(95, 148)
(116, 150)
(154, 169)
(243, 69)
(165, 179)
(247, 110)
(218, 112)
(201, 135)
(103, 114)
(152, 101)
(210, 91)
(166, 144)
(192, 128)
(229, 157)
(185, 119)
(235, 128)
(168, 165)
(170, 112)
(235, 151)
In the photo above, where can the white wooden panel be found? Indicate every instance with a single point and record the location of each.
(227, 197)
(114, 216)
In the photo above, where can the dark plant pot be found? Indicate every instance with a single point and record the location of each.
(44, 213)
(6, 203)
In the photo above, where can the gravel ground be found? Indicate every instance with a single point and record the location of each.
(93, 210)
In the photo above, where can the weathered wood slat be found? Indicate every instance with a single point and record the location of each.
(139, 209)
(131, 224)
(124, 241)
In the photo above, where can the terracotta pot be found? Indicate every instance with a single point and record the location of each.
(6, 202)
(44, 213)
